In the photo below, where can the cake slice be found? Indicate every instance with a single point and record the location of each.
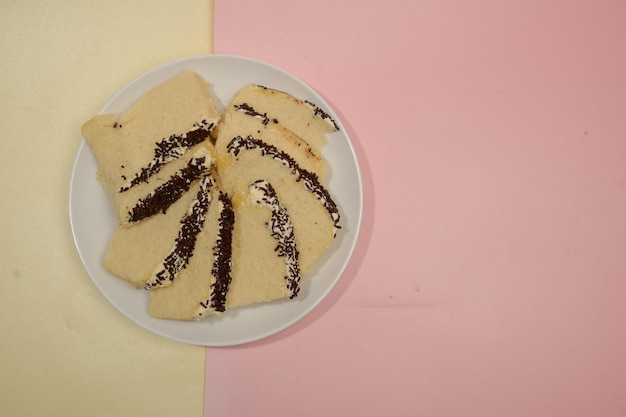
(303, 118)
(134, 149)
(313, 212)
(134, 252)
(265, 264)
(240, 120)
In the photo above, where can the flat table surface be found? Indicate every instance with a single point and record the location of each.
(488, 278)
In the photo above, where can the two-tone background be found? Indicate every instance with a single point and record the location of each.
(489, 278)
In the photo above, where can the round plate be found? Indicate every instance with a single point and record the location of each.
(93, 219)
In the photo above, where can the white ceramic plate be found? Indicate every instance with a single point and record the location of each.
(93, 220)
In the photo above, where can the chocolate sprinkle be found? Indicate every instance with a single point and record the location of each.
(169, 149)
(317, 111)
(169, 192)
(308, 179)
(190, 225)
(281, 228)
(222, 256)
(250, 111)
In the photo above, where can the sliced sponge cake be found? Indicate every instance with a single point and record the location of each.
(134, 252)
(215, 211)
(134, 148)
(304, 118)
(265, 254)
(244, 121)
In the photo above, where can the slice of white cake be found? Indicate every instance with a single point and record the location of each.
(134, 149)
(134, 251)
(265, 265)
(302, 117)
(243, 121)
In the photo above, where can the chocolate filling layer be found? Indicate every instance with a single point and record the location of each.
(166, 194)
(308, 179)
(169, 149)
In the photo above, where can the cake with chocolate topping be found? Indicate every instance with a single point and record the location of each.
(302, 117)
(134, 252)
(135, 149)
(215, 211)
(243, 120)
(265, 255)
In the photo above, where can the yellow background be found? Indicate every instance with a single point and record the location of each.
(64, 350)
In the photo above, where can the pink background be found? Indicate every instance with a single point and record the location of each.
(489, 277)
